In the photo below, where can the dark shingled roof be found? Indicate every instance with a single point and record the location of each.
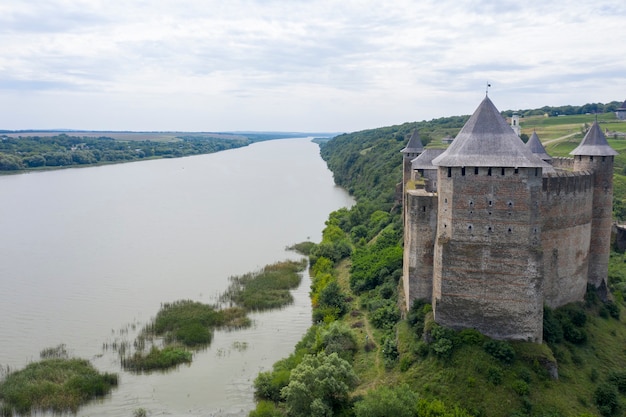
(594, 144)
(414, 145)
(536, 147)
(425, 160)
(487, 140)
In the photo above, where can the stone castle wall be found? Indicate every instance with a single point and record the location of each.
(419, 234)
(489, 235)
(566, 206)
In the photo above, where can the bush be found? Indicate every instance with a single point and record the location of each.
(386, 316)
(606, 398)
(319, 385)
(338, 338)
(390, 351)
(500, 350)
(495, 375)
(386, 401)
(521, 387)
(618, 380)
(266, 409)
(267, 385)
(331, 296)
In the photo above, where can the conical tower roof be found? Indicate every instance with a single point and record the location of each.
(425, 160)
(487, 140)
(594, 143)
(536, 147)
(414, 145)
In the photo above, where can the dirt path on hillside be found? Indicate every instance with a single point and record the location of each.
(559, 139)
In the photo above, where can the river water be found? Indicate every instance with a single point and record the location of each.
(88, 255)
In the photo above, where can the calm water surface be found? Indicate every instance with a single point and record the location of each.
(88, 255)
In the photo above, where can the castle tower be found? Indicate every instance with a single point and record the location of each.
(412, 150)
(487, 267)
(515, 124)
(594, 154)
(536, 147)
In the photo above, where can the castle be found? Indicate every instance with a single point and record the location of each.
(495, 228)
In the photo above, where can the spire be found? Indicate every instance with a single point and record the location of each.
(487, 140)
(536, 147)
(415, 144)
(594, 143)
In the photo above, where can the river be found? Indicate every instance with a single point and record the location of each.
(88, 255)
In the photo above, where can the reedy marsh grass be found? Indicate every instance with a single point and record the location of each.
(53, 384)
(267, 288)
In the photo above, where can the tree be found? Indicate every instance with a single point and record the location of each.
(319, 386)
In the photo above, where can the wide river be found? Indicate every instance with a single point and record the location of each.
(88, 255)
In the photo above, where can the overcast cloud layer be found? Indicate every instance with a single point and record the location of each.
(298, 65)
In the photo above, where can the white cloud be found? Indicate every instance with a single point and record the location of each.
(298, 65)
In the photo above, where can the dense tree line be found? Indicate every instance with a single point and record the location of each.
(568, 110)
(33, 152)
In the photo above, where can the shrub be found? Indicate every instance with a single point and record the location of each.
(386, 401)
(338, 338)
(319, 385)
(495, 375)
(390, 351)
(331, 296)
(606, 398)
(471, 337)
(521, 387)
(267, 385)
(386, 316)
(500, 350)
(618, 379)
(552, 331)
(266, 409)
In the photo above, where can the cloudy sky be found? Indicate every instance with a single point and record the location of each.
(299, 65)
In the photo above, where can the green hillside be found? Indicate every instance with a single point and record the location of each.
(364, 356)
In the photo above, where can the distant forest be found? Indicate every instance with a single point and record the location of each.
(41, 152)
(589, 108)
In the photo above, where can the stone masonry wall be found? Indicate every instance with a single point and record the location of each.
(488, 261)
(566, 205)
(419, 234)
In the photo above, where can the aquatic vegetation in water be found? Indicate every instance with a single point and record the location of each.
(157, 358)
(267, 288)
(54, 384)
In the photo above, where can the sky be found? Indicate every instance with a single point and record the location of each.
(299, 65)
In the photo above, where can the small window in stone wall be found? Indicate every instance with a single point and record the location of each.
(463, 171)
(503, 171)
(510, 230)
(516, 170)
(489, 172)
(490, 229)
(449, 172)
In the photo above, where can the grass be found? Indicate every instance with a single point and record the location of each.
(182, 325)
(187, 324)
(56, 384)
(157, 358)
(267, 288)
